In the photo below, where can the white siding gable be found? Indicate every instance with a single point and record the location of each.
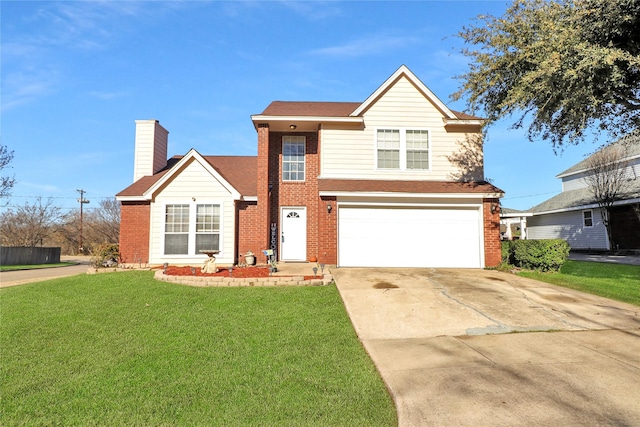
(350, 152)
(193, 184)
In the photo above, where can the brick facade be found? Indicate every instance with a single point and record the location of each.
(492, 247)
(135, 220)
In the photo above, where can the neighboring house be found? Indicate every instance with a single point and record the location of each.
(513, 224)
(574, 215)
(364, 184)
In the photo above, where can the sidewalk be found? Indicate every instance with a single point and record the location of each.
(614, 259)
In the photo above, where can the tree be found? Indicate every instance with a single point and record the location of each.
(6, 182)
(103, 223)
(571, 66)
(28, 225)
(607, 178)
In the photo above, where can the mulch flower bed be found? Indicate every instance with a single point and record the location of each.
(238, 272)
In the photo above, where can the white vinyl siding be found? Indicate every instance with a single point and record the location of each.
(569, 226)
(194, 182)
(293, 158)
(350, 151)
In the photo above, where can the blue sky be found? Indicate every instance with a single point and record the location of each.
(76, 75)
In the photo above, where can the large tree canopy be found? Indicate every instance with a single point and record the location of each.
(567, 65)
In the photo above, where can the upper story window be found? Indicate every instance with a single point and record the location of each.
(388, 143)
(587, 218)
(402, 149)
(293, 153)
(187, 231)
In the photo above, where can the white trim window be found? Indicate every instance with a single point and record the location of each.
(587, 218)
(187, 231)
(293, 158)
(176, 229)
(402, 149)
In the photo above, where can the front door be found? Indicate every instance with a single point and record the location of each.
(293, 234)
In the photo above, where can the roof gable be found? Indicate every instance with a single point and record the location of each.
(401, 72)
(235, 173)
(631, 142)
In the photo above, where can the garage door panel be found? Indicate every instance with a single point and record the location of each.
(408, 237)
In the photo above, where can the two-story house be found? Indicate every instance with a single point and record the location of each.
(364, 184)
(574, 214)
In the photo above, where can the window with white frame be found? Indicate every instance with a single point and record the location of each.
(293, 153)
(388, 143)
(176, 230)
(207, 228)
(402, 149)
(190, 228)
(587, 218)
(417, 149)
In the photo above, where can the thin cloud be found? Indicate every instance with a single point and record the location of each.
(374, 45)
(21, 88)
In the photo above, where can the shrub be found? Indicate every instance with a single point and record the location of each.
(105, 255)
(507, 251)
(542, 255)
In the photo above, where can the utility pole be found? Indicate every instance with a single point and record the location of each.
(82, 201)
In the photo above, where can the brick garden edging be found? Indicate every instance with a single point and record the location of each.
(216, 281)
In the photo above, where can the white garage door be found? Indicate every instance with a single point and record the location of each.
(409, 237)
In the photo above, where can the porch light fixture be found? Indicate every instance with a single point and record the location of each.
(495, 207)
(293, 127)
(329, 208)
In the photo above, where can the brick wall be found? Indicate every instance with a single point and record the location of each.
(135, 220)
(296, 193)
(492, 251)
(328, 231)
(247, 231)
(263, 207)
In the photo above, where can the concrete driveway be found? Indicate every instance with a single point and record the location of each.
(442, 343)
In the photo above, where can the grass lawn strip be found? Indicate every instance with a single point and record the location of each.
(124, 349)
(616, 281)
(33, 266)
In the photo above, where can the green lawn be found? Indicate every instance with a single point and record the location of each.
(615, 281)
(33, 266)
(123, 349)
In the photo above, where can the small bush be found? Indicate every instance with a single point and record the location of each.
(541, 255)
(507, 251)
(105, 255)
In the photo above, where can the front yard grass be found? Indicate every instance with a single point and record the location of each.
(615, 281)
(124, 349)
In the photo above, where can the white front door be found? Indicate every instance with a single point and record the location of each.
(293, 234)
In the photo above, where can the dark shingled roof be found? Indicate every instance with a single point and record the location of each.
(327, 109)
(375, 186)
(575, 199)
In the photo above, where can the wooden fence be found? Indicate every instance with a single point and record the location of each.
(15, 255)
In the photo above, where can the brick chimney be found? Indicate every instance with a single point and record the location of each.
(151, 148)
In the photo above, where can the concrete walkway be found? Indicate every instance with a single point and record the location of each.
(613, 259)
(440, 339)
(20, 277)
